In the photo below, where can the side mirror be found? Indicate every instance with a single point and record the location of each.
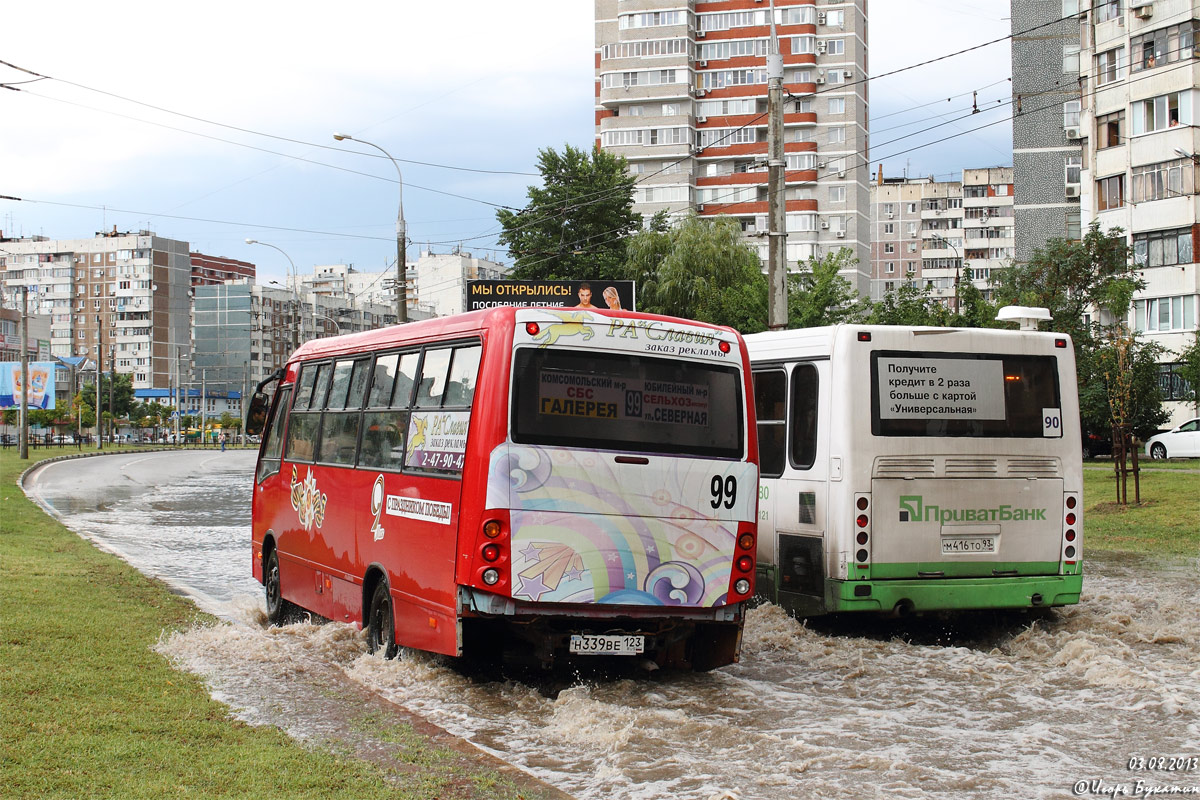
(256, 417)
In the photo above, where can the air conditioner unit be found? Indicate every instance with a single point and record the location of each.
(820, 79)
(820, 165)
(824, 226)
(840, 234)
(700, 207)
(1143, 11)
(821, 48)
(702, 64)
(848, 74)
(701, 120)
(820, 17)
(1074, 133)
(842, 174)
(890, 215)
(701, 92)
(1072, 190)
(1120, 22)
(701, 34)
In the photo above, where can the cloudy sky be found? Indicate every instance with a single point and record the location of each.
(213, 122)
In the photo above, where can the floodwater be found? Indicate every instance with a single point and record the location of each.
(980, 706)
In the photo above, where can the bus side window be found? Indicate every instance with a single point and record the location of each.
(405, 380)
(273, 447)
(432, 384)
(804, 416)
(770, 400)
(460, 388)
(383, 439)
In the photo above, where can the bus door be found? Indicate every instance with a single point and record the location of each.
(793, 424)
(414, 441)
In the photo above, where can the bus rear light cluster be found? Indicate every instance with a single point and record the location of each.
(1071, 524)
(862, 527)
(723, 347)
(744, 557)
(493, 551)
(532, 328)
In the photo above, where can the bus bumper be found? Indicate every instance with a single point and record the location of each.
(953, 594)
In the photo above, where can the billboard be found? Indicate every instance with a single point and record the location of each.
(40, 391)
(559, 294)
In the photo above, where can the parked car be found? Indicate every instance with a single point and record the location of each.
(1181, 442)
(1096, 444)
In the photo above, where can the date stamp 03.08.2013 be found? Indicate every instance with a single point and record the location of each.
(1150, 776)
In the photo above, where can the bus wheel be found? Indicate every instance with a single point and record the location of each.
(279, 611)
(381, 630)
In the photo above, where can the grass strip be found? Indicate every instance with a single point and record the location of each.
(88, 709)
(1165, 523)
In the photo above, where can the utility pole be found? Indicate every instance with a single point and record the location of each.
(23, 434)
(112, 378)
(99, 372)
(776, 188)
(203, 405)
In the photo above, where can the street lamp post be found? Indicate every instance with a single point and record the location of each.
(295, 292)
(401, 232)
(957, 266)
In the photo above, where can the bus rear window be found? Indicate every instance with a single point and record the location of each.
(635, 403)
(963, 394)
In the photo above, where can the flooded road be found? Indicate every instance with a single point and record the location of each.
(979, 707)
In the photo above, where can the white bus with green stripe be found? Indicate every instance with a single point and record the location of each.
(912, 470)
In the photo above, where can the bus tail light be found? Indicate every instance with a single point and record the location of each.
(1072, 528)
(532, 328)
(745, 563)
(745, 555)
(862, 536)
(746, 541)
(491, 553)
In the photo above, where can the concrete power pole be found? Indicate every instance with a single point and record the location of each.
(23, 433)
(776, 199)
(99, 373)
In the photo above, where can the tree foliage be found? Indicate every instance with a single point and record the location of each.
(909, 305)
(574, 225)
(1189, 370)
(819, 295)
(698, 269)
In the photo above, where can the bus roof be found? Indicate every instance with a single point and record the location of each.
(822, 340)
(452, 326)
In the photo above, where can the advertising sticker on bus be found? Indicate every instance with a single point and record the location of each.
(954, 388)
(598, 397)
(438, 439)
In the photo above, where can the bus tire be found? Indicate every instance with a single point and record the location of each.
(381, 627)
(279, 611)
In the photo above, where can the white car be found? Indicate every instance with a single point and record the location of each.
(1181, 442)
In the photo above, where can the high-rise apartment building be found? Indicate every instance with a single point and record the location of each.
(1047, 133)
(681, 92)
(118, 297)
(930, 233)
(1140, 117)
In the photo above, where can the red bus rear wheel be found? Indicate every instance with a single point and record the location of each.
(381, 630)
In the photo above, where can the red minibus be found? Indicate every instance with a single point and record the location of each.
(531, 483)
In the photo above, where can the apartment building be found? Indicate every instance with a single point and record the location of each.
(1047, 132)
(1139, 118)
(930, 232)
(211, 270)
(681, 92)
(118, 297)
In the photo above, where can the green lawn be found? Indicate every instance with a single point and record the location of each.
(89, 709)
(1166, 522)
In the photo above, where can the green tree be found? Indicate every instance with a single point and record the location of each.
(698, 269)
(819, 295)
(575, 223)
(909, 305)
(1189, 370)
(974, 310)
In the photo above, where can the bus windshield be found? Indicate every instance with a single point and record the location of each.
(963, 394)
(627, 402)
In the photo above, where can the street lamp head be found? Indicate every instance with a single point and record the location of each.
(1184, 153)
(252, 241)
(342, 136)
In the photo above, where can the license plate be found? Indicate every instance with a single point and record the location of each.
(607, 645)
(968, 544)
